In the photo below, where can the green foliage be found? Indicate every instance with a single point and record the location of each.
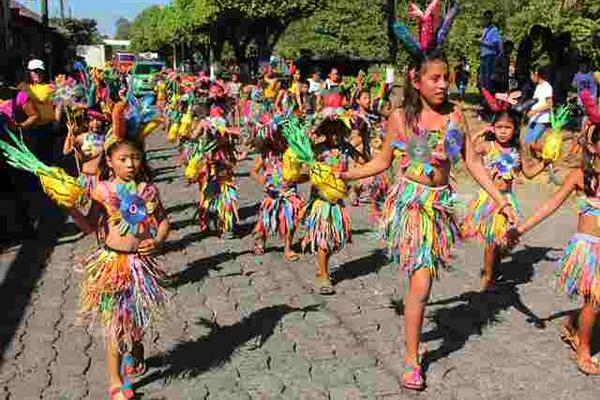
(341, 27)
(82, 31)
(350, 27)
(123, 27)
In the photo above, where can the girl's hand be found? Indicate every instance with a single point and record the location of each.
(484, 130)
(507, 210)
(512, 237)
(147, 247)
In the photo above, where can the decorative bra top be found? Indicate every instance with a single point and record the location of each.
(589, 205)
(503, 162)
(92, 144)
(129, 206)
(425, 149)
(273, 173)
(336, 158)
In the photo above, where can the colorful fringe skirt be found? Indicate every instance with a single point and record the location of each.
(88, 183)
(219, 204)
(123, 291)
(484, 222)
(579, 272)
(327, 225)
(279, 213)
(418, 226)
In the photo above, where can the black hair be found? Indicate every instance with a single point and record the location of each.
(412, 99)
(332, 127)
(543, 71)
(488, 14)
(590, 180)
(513, 117)
(105, 172)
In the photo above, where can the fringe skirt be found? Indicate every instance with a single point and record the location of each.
(418, 226)
(327, 225)
(484, 222)
(579, 268)
(123, 291)
(219, 204)
(279, 213)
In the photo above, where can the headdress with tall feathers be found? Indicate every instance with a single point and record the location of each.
(433, 30)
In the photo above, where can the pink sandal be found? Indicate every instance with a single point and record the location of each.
(412, 378)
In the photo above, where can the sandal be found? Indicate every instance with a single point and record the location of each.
(569, 337)
(412, 378)
(259, 249)
(291, 258)
(588, 365)
(125, 390)
(133, 368)
(324, 285)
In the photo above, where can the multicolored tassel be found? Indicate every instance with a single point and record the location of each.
(327, 225)
(219, 204)
(124, 292)
(579, 271)
(418, 226)
(485, 222)
(279, 213)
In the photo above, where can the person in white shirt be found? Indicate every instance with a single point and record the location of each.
(539, 115)
(333, 79)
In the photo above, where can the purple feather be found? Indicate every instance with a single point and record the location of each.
(447, 23)
(407, 39)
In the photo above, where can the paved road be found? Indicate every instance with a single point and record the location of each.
(246, 327)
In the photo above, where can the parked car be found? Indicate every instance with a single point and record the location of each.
(142, 76)
(123, 61)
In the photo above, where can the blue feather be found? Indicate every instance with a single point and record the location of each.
(447, 23)
(407, 39)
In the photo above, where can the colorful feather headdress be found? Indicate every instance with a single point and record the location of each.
(433, 30)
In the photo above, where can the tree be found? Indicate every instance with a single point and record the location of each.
(82, 31)
(341, 27)
(123, 27)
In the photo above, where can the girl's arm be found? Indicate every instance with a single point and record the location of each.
(532, 168)
(87, 223)
(149, 246)
(383, 159)
(552, 204)
(255, 172)
(479, 173)
(69, 144)
(546, 106)
(32, 115)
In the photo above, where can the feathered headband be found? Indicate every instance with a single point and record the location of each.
(506, 101)
(432, 34)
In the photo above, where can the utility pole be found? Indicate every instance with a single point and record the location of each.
(391, 18)
(44, 4)
(62, 11)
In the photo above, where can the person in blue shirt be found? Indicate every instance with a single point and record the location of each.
(490, 46)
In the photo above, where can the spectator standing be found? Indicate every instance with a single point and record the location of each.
(501, 68)
(490, 49)
(461, 77)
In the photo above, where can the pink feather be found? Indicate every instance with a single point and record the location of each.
(591, 108)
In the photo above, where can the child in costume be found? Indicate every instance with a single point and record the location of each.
(218, 200)
(279, 211)
(502, 158)
(88, 148)
(122, 283)
(361, 137)
(417, 220)
(579, 269)
(327, 223)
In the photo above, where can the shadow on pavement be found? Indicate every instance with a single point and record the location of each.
(360, 266)
(476, 310)
(191, 359)
(25, 271)
(199, 269)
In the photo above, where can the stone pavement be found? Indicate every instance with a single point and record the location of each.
(245, 327)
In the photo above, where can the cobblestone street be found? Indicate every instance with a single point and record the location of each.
(241, 326)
